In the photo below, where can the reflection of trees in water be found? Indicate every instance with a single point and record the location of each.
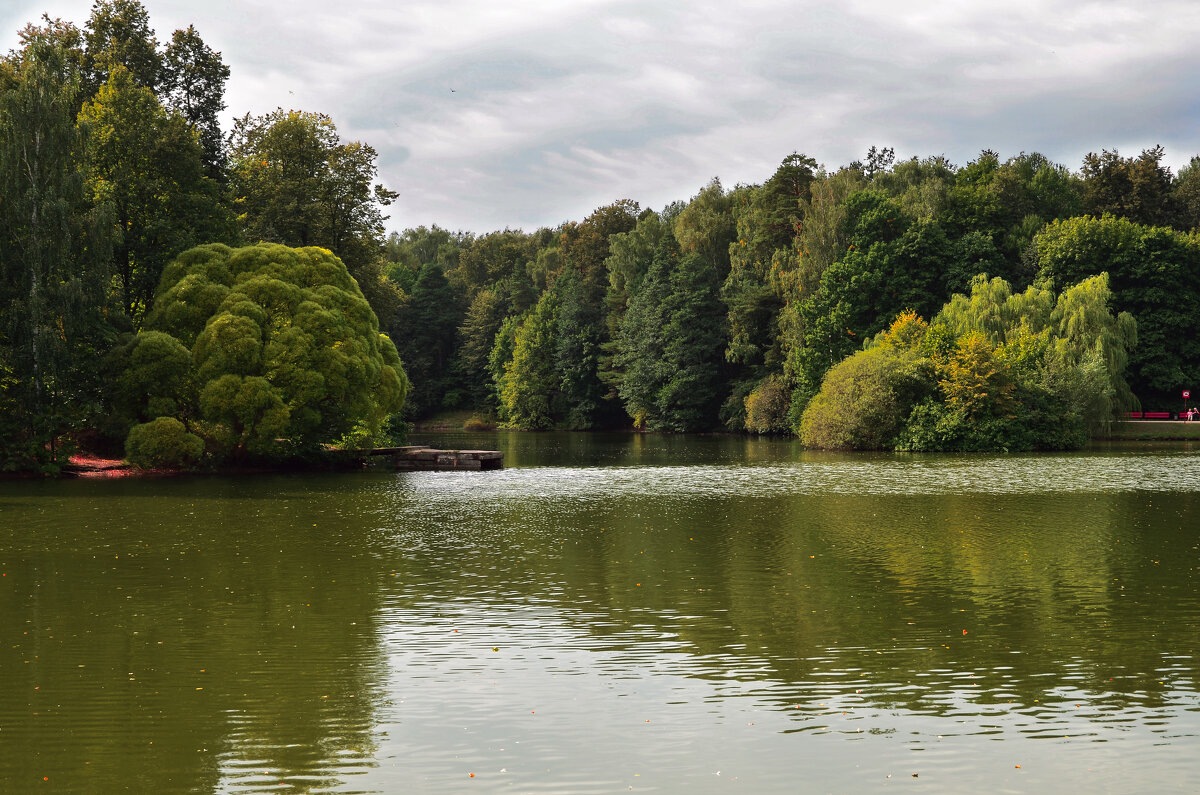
(191, 640)
(815, 598)
(132, 602)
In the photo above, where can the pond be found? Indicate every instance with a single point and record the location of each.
(611, 613)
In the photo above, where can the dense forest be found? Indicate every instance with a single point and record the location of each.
(203, 293)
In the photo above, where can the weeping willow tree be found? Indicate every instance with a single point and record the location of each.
(996, 370)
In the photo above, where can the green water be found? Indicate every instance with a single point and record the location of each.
(666, 614)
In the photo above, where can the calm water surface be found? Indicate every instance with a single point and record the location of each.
(703, 614)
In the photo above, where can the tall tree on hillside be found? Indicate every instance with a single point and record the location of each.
(1186, 196)
(477, 337)
(529, 388)
(52, 260)
(693, 356)
(496, 257)
(582, 329)
(706, 226)
(585, 244)
(577, 350)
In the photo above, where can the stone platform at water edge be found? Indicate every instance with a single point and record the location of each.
(416, 458)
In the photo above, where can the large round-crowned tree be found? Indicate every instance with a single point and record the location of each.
(263, 351)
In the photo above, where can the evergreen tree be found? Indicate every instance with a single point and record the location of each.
(693, 353)
(426, 333)
(642, 341)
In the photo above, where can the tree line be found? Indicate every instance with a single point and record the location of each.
(1009, 303)
(733, 310)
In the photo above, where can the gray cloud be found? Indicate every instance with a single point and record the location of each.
(533, 112)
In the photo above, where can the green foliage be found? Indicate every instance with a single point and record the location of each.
(500, 357)
(147, 164)
(767, 221)
(295, 182)
(706, 227)
(1012, 372)
(865, 399)
(1135, 188)
(163, 442)
(974, 382)
(585, 245)
(630, 256)
(53, 256)
(118, 34)
(577, 351)
(289, 357)
(426, 330)
(477, 337)
(193, 83)
(693, 350)
(642, 341)
(1185, 195)
(529, 387)
(497, 257)
(721, 310)
(767, 406)
(151, 377)
(1154, 275)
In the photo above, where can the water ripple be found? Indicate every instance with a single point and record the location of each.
(873, 476)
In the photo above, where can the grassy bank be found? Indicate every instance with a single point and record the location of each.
(454, 421)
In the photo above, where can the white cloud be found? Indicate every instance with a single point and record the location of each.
(532, 112)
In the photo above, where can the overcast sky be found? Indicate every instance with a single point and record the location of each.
(528, 113)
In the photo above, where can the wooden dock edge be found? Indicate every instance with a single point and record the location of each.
(415, 458)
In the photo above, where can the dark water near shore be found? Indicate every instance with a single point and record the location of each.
(664, 614)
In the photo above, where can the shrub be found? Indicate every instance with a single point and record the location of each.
(767, 406)
(865, 400)
(162, 442)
